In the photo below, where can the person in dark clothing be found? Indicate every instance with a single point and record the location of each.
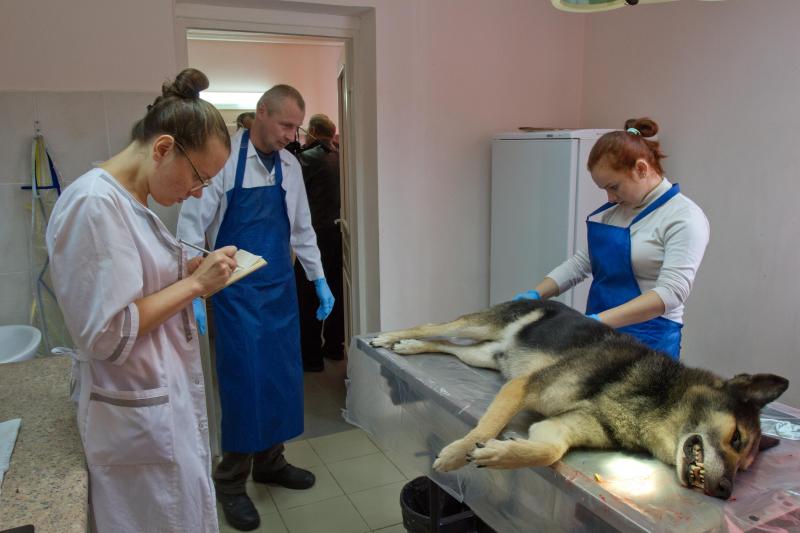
(319, 161)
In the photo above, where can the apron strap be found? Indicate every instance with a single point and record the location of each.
(600, 209)
(277, 169)
(664, 198)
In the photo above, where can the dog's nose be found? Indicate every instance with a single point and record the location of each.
(723, 489)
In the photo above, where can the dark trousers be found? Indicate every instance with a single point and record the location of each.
(234, 469)
(330, 246)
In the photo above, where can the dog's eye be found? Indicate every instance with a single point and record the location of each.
(736, 440)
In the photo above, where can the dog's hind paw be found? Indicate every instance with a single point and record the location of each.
(384, 340)
(410, 347)
(453, 456)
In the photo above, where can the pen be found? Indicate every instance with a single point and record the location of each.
(193, 246)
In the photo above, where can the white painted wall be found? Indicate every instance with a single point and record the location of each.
(449, 74)
(255, 67)
(90, 45)
(80, 127)
(723, 81)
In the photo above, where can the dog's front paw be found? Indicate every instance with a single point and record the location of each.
(409, 347)
(384, 340)
(453, 456)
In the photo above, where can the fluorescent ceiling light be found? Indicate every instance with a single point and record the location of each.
(264, 38)
(231, 100)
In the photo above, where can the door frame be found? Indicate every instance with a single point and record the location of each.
(365, 308)
(356, 34)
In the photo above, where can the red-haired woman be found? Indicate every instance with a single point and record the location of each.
(644, 246)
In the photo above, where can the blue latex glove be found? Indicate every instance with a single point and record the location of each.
(200, 315)
(326, 298)
(594, 315)
(527, 295)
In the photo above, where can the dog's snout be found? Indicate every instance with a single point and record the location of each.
(723, 489)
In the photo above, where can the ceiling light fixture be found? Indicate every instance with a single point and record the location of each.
(591, 6)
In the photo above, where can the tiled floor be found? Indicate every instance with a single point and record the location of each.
(358, 485)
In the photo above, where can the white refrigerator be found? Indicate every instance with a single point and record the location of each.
(541, 195)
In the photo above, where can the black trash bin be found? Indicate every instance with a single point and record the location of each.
(452, 516)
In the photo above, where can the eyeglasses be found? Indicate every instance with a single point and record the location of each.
(203, 182)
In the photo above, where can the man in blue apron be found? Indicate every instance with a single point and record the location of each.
(259, 204)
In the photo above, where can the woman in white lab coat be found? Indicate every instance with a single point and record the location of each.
(126, 289)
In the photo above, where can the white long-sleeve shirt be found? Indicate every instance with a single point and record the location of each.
(203, 216)
(667, 247)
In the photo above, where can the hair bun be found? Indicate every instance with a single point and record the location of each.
(646, 126)
(187, 84)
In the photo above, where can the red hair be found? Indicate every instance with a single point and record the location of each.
(621, 149)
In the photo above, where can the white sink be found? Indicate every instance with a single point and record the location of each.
(18, 343)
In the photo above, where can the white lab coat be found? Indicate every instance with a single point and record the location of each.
(142, 405)
(205, 214)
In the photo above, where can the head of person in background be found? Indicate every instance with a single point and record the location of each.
(179, 145)
(245, 120)
(280, 111)
(627, 164)
(321, 130)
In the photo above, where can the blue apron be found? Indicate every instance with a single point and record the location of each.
(615, 284)
(257, 330)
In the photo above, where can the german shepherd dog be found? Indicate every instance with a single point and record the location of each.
(596, 388)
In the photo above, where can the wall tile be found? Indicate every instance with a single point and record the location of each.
(15, 222)
(122, 111)
(15, 303)
(74, 126)
(17, 117)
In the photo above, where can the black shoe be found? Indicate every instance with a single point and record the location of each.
(239, 511)
(289, 476)
(315, 366)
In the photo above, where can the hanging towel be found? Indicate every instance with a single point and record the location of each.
(8, 437)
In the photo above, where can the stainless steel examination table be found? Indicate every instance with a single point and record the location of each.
(416, 405)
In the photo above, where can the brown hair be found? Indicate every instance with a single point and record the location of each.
(621, 149)
(274, 97)
(242, 116)
(321, 126)
(180, 112)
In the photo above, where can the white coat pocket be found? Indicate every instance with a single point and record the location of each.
(129, 427)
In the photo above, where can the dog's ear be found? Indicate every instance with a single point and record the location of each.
(757, 389)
